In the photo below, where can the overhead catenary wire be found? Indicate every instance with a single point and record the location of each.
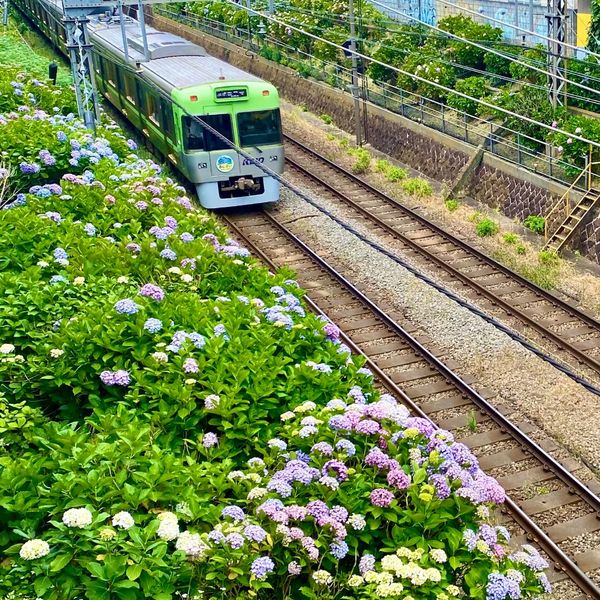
(427, 81)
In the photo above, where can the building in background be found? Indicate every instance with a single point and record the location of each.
(527, 14)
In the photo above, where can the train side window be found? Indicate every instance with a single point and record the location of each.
(166, 118)
(129, 84)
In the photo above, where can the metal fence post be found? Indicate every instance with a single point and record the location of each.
(443, 120)
(519, 157)
(465, 123)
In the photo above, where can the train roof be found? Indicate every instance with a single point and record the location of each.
(175, 63)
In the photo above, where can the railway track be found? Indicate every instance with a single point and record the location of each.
(558, 507)
(571, 335)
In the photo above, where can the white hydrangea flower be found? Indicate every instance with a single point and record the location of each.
(322, 577)
(56, 352)
(160, 357)
(123, 520)
(7, 349)
(79, 281)
(77, 517)
(168, 529)
(42, 263)
(355, 581)
(33, 549)
(174, 270)
(191, 544)
(256, 493)
(187, 278)
(438, 555)
(286, 416)
(122, 279)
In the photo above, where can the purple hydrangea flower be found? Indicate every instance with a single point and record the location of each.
(216, 536)
(234, 540)
(346, 446)
(366, 564)
(381, 497)
(331, 331)
(152, 291)
(255, 533)
(368, 427)
(280, 487)
(442, 489)
(209, 440)
(294, 568)
(60, 254)
(337, 468)
(233, 512)
(322, 448)
(134, 248)
(398, 479)
(190, 366)
(29, 168)
(53, 216)
(500, 587)
(119, 377)
(261, 567)
(168, 254)
(126, 307)
(186, 237)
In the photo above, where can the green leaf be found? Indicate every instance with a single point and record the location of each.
(133, 572)
(60, 562)
(96, 569)
(41, 585)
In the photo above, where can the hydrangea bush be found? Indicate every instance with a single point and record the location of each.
(175, 424)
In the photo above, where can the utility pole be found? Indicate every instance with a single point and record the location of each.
(4, 4)
(354, 88)
(557, 35)
(80, 54)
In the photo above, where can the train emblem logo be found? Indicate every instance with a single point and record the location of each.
(224, 163)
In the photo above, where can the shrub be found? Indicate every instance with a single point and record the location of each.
(451, 204)
(392, 173)
(510, 238)
(328, 119)
(363, 160)
(536, 223)
(203, 434)
(428, 67)
(486, 227)
(417, 187)
(521, 249)
(476, 87)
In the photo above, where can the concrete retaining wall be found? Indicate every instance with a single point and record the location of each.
(495, 182)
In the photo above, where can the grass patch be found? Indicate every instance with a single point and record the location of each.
(417, 187)
(451, 204)
(486, 228)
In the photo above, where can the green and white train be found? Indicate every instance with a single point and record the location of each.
(158, 96)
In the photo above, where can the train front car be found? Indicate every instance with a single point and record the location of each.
(247, 114)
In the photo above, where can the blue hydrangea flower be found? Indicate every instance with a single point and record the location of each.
(126, 307)
(168, 254)
(153, 325)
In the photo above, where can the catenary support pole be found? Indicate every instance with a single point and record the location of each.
(354, 87)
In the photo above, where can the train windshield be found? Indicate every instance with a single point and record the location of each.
(198, 138)
(259, 127)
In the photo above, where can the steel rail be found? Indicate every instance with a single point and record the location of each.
(581, 356)
(562, 560)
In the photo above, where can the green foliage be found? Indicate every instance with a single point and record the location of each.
(486, 227)
(327, 119)
(476, 87)
(510, 238)
(417, 187)
(156, 381)
(363, 161)
(451, 204)
(585, 72)
(571, 150)
(430, 68)
(521, 249)
(532, 56)
(392, 172)
(465, 27)
(536, 223)
(392, 51)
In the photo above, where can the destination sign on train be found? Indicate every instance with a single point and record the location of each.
(223, 94)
